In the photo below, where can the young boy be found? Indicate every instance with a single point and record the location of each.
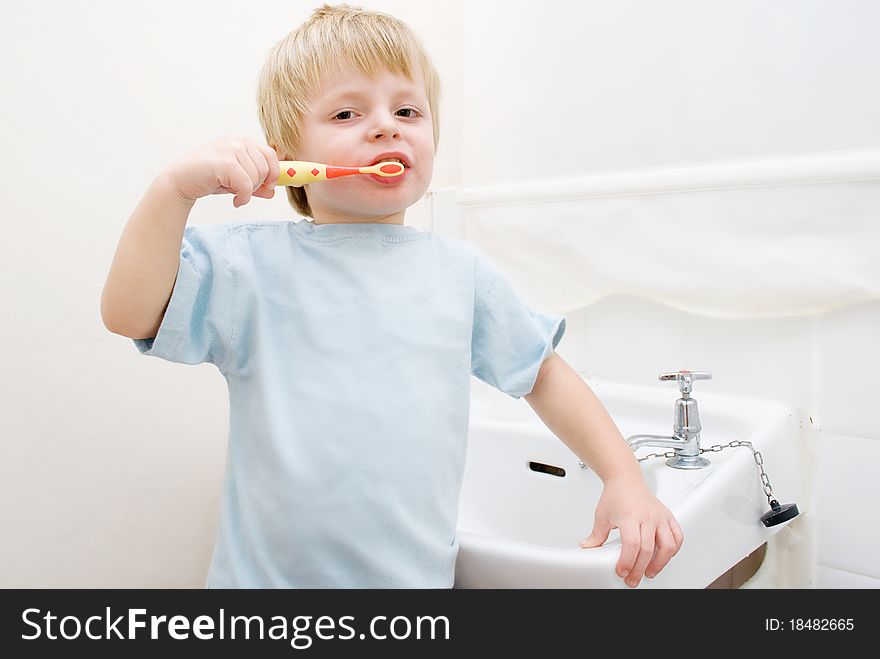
(348, 342)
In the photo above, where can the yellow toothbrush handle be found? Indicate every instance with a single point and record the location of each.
(299, 172)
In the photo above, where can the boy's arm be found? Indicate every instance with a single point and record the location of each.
(144, 268)
(649, 533)
(571, 410)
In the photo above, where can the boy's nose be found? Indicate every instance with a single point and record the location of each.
(385, 129)
(378, 135)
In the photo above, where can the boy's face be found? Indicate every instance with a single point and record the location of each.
(354, 121)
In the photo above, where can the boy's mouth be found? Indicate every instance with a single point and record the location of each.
(392, 157)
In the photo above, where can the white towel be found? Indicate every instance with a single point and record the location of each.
(778, 251)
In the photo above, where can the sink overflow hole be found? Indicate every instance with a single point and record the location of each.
(547, 469)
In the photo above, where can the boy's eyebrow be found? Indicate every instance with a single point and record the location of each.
(356, 94)
(344, 94)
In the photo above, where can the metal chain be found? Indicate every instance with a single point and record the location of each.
(759, 460)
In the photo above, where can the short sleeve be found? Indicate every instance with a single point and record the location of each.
(199, 321)
(510, 340)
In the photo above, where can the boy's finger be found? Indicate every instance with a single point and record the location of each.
(665, 550)
(264, 192)
(597, 536)
(241, 186)
(261, 165)
(630, 543)
(249, 167)
(274, 166)
(645, 554)
(647, 532)
(677, 533)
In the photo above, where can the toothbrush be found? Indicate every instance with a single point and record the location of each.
(299, 172)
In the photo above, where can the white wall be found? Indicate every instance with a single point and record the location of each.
(111, 462)
(562, 88)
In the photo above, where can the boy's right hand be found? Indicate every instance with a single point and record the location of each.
(232, 165)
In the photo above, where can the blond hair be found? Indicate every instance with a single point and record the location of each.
(335, 35)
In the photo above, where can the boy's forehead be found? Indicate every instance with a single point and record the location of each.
(341, 82)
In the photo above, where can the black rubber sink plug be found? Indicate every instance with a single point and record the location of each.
(779, 513)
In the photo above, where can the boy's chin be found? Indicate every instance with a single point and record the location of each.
(381, 213)
(376, 208)
(372, 204)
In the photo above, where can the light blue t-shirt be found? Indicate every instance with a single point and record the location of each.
(348, 351)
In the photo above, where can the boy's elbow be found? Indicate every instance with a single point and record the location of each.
(115, 328)
(108, 317)
(118, 323)
(129, 331)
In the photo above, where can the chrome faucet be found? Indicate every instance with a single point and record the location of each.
(685, 438)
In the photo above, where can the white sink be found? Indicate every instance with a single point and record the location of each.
(520, 527)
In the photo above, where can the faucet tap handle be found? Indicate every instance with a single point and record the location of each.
(685, 379)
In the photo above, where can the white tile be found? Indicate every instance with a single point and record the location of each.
(847, 492)
(829, 577)
(848, 388)
(756, 357)
(632, 339)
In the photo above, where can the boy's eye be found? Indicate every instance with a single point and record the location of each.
(408, 113)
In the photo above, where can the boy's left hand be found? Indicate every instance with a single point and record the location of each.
(649, 533)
